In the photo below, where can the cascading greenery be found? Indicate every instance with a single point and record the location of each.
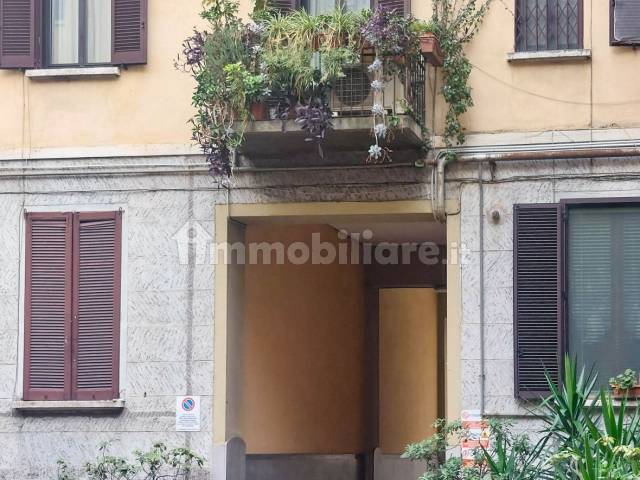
(295, 59)
(456, 22)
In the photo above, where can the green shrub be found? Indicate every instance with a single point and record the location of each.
(155, 464)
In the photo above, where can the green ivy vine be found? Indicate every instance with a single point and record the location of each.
(456, 24)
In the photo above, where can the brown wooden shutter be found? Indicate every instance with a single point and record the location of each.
(400, 6)
(129, 32)
(19, 20)
(624, 22)
(537, 298)
(96, 305)
(48, 266)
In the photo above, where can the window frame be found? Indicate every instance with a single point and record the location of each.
(304, 4)
(120, 325)
(565, 205)
(580, 21)
(82, 38)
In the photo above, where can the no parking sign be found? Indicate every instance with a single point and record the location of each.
(188, 414)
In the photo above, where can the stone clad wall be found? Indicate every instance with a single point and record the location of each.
(522, 182)
(167, 328)
(169, 306)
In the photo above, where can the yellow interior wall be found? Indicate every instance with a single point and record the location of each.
(303, 378)
(408, 366)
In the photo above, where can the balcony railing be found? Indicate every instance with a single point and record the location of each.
(352, 96)
(282, 143)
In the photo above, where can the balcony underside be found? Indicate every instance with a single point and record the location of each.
(278, 144)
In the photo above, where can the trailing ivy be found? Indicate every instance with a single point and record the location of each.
(456, 24)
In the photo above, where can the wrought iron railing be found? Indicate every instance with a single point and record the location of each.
(352, 95)
(416, 84)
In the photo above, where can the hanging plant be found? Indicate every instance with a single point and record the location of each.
(290, 63)
(456, 23)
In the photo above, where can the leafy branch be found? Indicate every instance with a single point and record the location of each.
(456, 24)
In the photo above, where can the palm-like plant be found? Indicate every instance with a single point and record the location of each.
(597, 439)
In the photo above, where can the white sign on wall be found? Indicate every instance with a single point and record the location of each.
(188, 414)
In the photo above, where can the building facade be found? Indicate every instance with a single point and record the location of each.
(322, 367)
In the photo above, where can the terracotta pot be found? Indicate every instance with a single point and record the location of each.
(367, 49)
(633, 392)
(430, 49)
(259, 111)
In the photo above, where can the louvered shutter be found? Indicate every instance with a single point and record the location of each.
(18, 30)
(129, 32)
(96, 305)
(48, 266)
(537, 298)
(399, 6)
(625, 22)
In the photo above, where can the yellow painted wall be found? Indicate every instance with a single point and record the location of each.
(147, 104)
(303, 381)
(534, 96)
(408, 366)
(151, 104)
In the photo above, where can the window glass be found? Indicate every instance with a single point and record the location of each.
(603, 288)
(319, 7)
(65, 30)
(98, 31)
(356, 5)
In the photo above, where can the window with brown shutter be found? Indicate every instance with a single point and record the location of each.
(548, 25)
(537, 297)
(624, 18)
(61, 33)
(72, 306)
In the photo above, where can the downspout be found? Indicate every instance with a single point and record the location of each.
(559, 151)
(481, 286)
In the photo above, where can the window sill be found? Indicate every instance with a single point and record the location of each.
(549, 55)
(85, 72)
(69, 406)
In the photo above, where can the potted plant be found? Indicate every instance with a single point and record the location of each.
(429, 44)
(390, 34)
(625, 384)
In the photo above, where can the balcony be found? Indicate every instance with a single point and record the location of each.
(276, 143)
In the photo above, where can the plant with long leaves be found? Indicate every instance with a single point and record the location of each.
(596, 438)
(514, 457)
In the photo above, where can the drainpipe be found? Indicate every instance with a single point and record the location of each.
(481, 286)
(558, 151)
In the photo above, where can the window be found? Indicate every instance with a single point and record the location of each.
(603, 280)
(624, 28)
(548, 25)
(72, 306)
(79, 32)
(318, 7)
(72, 33)
(576, 283)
